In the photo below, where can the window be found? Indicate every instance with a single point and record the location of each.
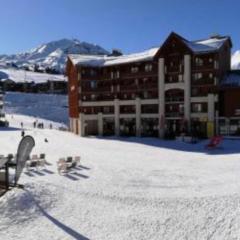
(93, 97)
(216, 64)
(181, 108)
(112, 75)
(210, 75)
(210, 60)
(118, 88)
(148, 67)
(92, 72)
(180, 67)
(134, 69)
(136, 81)
(145, 80)
(180, 77)
(197, 76)
(145, 94)
(197, 107)
(106, 109)
(199, 61)
(117, 74)
(93, 84)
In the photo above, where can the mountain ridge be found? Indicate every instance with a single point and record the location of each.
(51, 55)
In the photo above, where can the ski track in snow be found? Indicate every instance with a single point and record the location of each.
(126, 188)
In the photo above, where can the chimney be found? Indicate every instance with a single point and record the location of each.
(116, 53)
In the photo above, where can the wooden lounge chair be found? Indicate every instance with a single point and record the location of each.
(62, 166)
(69, 159)
(76, 161)
(34, 157)
(31, 164)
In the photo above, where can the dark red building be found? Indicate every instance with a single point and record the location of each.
(163, 91)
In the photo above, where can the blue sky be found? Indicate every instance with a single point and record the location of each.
(130, 25)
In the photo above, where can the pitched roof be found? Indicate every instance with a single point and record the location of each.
(104, 60)
(208, 45)
(201, 46)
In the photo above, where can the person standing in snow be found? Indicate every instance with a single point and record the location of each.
(23, 133)
(21, 124)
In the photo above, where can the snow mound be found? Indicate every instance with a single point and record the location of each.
(236, 60)
(19, 206)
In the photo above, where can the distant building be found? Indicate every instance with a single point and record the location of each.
(177, 88)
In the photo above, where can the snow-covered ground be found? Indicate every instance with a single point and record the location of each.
(49, 106)
(26, 76)
(125, 188)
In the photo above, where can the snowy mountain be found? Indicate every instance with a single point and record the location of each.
(51, 55)
(236, 60)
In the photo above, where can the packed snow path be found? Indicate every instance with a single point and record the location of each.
(126, 188)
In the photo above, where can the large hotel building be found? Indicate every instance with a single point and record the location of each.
(180, 87)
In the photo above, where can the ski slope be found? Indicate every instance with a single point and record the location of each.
(49, 106)
(17, 75)
(125, 188)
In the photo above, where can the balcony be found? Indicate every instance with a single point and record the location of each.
(138, 74)
(97, 89)
(204, 67)
(175, 114)
(174, 99)
(203, 81)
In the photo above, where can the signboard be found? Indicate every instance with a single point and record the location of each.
(24, 150)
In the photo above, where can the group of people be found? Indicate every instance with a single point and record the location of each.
(36, 124)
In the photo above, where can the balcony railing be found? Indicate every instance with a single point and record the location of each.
(174, 99)
(97, 89)
(208, 81)
(174, 114)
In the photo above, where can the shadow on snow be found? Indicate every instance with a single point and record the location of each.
(71, 232)
(228, 146)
